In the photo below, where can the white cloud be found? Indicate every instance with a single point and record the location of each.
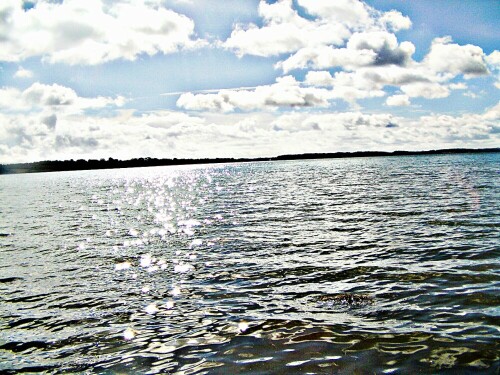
(220, 102)
(395, 21)
(376, 48)
(351, 12)
(376, 77)
(447, 57)
(367, 51)
(59, 98)
(396, 76)
(279, 12)
(416, 80)
(458, 86)
(286, 92)
(284, 31)
(366, 82)
(494, 58)
(91, 31)
(384, 45)
(493, 113)
(187, 2)
(324, 57)
(319, 78)
(471, 95)
(11, 99)
(398, 100)
(49, 95)
(40, 136)
(23, 73)
(426, 90)
(352, 94)
(50, 121)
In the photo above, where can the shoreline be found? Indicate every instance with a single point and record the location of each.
(94, 164)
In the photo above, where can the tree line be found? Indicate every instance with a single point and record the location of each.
(81, 164)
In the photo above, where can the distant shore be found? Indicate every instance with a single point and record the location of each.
(74, 165)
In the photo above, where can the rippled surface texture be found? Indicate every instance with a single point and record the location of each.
(375, 265)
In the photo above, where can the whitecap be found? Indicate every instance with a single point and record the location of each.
(242, 326)
(183, 267)
(129, 334)
(153, 269)
(189, 223)
(151, 309)
(145, 260)
(196, 242)
(122, 266)
(176, 291)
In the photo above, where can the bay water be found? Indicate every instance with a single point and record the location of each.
(361, 265)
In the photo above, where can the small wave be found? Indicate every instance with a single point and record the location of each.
(10, 279)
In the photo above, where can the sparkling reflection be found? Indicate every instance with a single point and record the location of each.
(385, 265)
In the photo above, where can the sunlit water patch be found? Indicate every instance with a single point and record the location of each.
(376, 265)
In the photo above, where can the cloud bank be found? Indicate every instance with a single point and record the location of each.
(331, 60)
(53, 122)
(350, 52)
(90, 32)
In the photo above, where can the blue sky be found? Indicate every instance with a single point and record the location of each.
(245, 78)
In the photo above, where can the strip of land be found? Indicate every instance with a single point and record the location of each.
(73, 165)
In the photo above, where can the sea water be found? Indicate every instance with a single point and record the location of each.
(361, 265)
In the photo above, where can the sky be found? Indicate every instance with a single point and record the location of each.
(92, 79)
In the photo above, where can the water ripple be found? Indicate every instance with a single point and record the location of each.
(379, 265)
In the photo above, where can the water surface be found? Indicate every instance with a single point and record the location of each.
(245, 268)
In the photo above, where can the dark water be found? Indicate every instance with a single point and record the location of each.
(375, 265)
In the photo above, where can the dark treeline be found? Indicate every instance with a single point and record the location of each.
(71, 165)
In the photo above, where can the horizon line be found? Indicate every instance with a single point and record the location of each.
(111, 163)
